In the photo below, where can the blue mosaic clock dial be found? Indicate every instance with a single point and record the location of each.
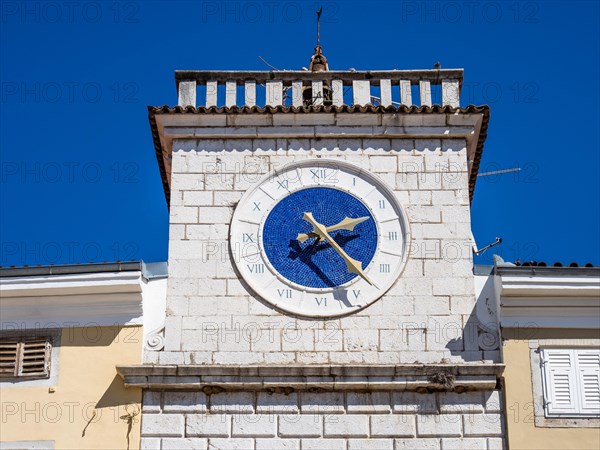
(319, 238)
(315, 263)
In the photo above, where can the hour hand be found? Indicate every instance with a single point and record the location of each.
(304, 236)
(346, 224)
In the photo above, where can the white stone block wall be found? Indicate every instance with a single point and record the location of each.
(326, 420)
(427, 316)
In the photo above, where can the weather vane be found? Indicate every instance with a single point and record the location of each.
(319, 12)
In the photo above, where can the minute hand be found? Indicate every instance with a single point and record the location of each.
(352, 264)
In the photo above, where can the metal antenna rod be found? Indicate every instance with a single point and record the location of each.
(319, 26)
(493, 244)
(496, 172)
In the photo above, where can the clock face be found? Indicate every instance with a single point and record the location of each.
(319, 238)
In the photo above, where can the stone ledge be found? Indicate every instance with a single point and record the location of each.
(320, 132)
(410, 377)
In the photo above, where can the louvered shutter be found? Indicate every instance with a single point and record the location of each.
(9, 353)
(28, 357)
(559, 376)
(588, 367)
(34, 357)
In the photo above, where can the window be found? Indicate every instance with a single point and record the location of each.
(571, 382)
(25, 357)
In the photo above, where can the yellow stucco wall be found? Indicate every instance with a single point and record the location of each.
(522, 432)
(87, 383)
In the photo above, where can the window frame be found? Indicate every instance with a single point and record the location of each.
(575, 382)
(542, 419)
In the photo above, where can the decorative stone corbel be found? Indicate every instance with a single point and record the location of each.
(155, 339)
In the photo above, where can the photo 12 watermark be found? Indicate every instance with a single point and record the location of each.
(69, 92)
(267, 12)
(470, 12)
(68, 172)
(65, 252)
(69, 12)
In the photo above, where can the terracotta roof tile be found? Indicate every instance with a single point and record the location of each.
(518, 263)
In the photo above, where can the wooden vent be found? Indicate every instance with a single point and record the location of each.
(25, 357)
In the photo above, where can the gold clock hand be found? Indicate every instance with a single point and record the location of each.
(304, 236)
(346, 224)
(353, 265)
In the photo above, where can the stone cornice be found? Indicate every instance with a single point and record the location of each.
(53, 301)
(550, 287)
(549, 297)
(88, 283)
(436, 122)
(409, 377)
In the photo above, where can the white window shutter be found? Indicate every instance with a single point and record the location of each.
(559, 376)
(588, 365)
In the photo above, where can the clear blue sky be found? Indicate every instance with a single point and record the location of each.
(79, 180)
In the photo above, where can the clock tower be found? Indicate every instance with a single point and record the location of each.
(321, 291)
